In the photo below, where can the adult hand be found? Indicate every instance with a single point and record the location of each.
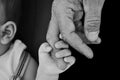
(66, 20)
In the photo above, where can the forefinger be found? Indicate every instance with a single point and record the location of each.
(61, 44)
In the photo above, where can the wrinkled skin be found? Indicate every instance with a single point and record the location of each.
(66, 21)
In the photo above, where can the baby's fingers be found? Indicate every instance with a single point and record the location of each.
(63, 53)
(61, 44)
(44, 50)
(70, 60)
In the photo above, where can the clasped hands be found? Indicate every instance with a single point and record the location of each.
(77, 23)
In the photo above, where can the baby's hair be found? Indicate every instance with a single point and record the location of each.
(9, 10)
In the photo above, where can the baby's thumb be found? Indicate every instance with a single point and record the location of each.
(44, 50)
(70, 61)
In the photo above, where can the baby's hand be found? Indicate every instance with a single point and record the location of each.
(47, 64)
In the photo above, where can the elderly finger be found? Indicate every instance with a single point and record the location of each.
(93, 9)
(75, 41)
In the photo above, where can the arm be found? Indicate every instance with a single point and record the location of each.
(44, 76)
(30, 73)
(48, 77)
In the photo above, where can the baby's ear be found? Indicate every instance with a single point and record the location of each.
(8, 31)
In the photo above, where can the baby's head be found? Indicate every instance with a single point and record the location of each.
(9, 14)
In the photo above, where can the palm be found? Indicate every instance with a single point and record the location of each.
(49, 64)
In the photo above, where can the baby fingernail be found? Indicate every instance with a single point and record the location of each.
(48, 48)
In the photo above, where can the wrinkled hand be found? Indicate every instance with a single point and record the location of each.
(47, 65)
(66, 20)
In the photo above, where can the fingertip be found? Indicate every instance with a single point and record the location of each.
(86, 51)
(92, 36)
(43, 44)
(90, 56)
(61, 44)
(48, 48)
(45, 47)
(99, 40)
(70, 60)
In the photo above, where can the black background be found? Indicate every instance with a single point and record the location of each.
(34, 21)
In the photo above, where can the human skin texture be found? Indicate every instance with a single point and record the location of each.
(93, 9)
(66, 16)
